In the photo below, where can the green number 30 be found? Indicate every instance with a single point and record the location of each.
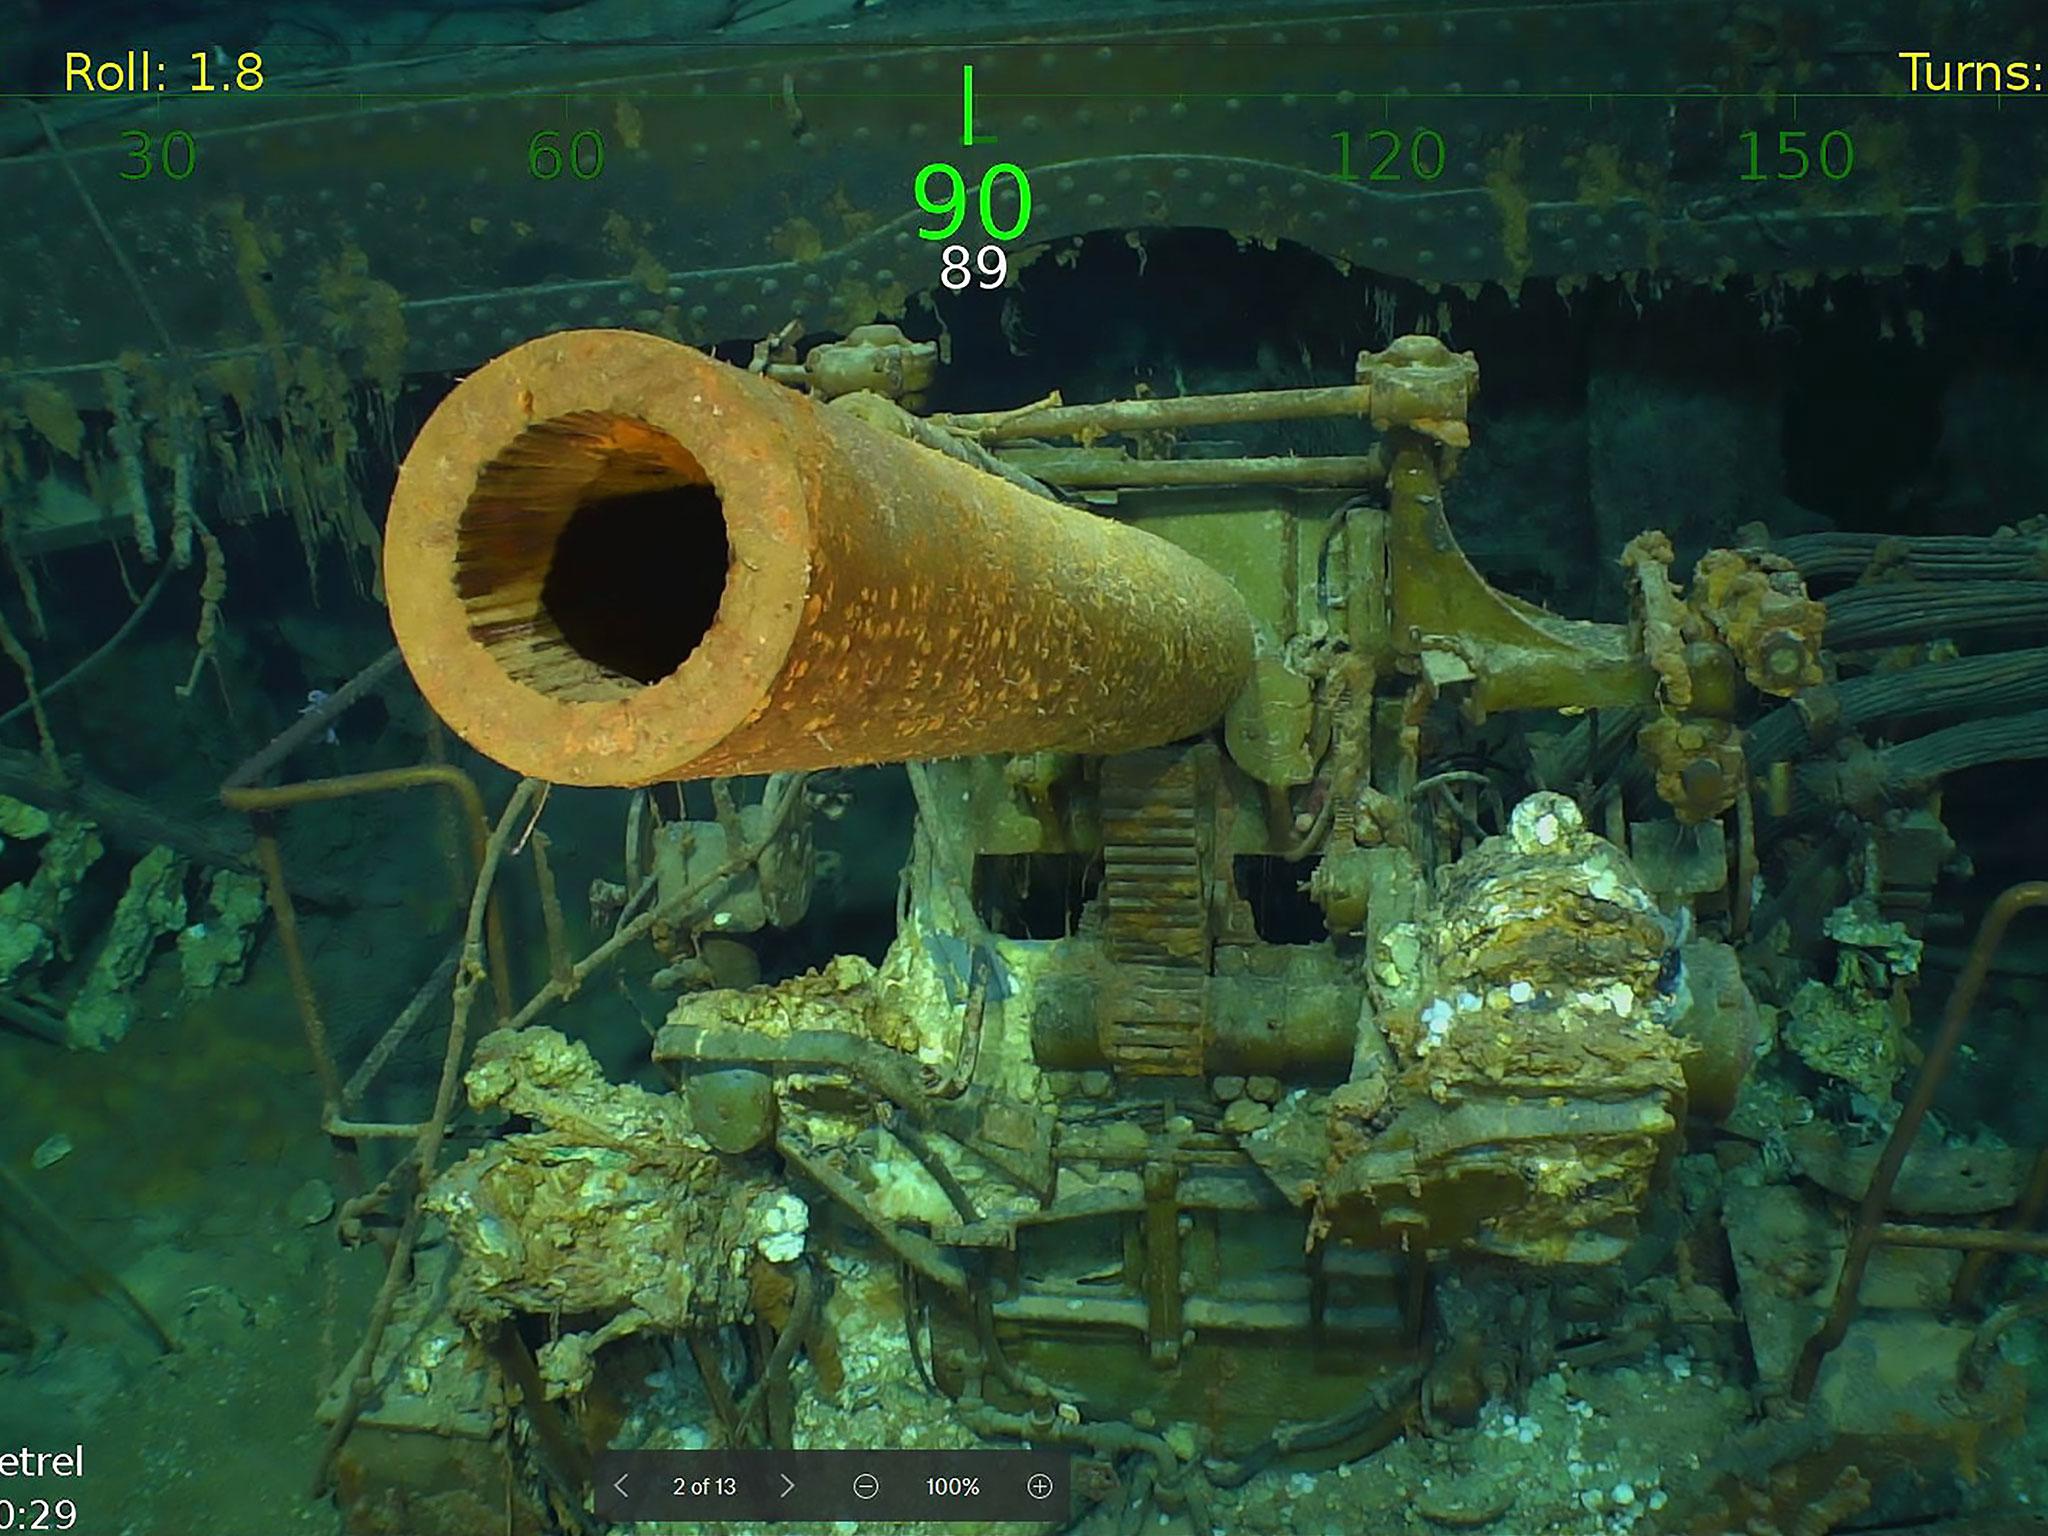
(175, 154)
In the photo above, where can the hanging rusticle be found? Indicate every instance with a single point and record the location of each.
(211, 590)
(132, 494)
(18, 654)
(24, 575)
(181, 508)
(181, 444)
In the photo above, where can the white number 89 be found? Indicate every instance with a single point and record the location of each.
(956, 273)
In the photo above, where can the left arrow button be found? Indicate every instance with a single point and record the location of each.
(620, 1485)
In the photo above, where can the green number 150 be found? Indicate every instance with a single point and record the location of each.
(952, 205)
(1837, 156)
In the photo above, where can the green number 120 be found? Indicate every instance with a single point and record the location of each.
(952, 205)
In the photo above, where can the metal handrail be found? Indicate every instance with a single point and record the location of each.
(1870, 1228)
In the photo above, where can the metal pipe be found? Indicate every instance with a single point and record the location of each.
(1869, 1228)
(928, 1258)
(38, 1023)
(303, 993)
(131, 822)
(563, 1454)
(1087, 469)
(1974, 1241)
(2025, 1214)
(314, 723)
(1049, 418)
(885, 415)
(888, 1074)
(254, 800)
(1984, 1343)
(435, 986)
(1967, 687)
(356, 1379)
(1894, 614)
(796, 1329)
(561, 969)
(614, 560)
(1936, 557)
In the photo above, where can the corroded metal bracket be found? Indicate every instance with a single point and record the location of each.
(1445, 619)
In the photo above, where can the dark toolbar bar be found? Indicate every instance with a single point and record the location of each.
(833, 1485)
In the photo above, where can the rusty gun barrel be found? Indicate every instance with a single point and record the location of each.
(612, 559)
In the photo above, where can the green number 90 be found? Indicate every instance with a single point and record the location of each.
(954, 207)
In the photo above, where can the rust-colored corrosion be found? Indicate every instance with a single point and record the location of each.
(614, 560)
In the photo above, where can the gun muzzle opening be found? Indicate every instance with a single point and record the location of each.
(613, 560)
(592, 557)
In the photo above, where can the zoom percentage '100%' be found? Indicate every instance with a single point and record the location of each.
(952, 1487)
